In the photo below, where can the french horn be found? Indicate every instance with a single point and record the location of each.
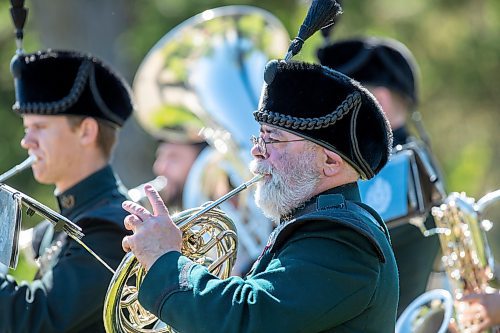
(202, 81)
(467, 260)
(208, 238)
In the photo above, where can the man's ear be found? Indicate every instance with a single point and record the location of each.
(89, 129)
(332, 164)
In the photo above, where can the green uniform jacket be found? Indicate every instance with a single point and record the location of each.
(328, 269)
(68, 292)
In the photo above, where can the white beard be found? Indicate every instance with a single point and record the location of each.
(288, 188)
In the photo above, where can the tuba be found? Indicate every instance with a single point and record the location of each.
(467, 261)
(202, 81)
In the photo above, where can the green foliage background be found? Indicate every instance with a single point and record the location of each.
(456, 43)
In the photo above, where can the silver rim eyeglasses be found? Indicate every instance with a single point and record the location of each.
(262, 144)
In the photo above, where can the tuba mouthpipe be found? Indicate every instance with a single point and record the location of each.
(487, 200)
(18, 168)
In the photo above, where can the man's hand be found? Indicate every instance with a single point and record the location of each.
(479, 311)
(154, 234)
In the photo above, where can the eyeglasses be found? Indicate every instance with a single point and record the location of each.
(261, 143)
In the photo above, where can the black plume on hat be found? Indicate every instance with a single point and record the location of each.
(376, 61)
(328, 108)
(69, 83)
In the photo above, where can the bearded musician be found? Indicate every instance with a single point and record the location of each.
(328, 266)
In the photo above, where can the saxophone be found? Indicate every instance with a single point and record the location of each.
(467, 261)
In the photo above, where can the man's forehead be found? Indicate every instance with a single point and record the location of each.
(53, 121)
(174, 146)
(36, 119)
(269, 129)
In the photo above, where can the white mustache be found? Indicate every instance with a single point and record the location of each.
(261, 167)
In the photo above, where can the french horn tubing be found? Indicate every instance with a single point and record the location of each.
(208, 238)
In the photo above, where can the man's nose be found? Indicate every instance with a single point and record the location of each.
(255, 151)
(160, 167)
(28, 141)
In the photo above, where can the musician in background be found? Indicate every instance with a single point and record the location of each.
(388, 69)
(328, 266)
(174, 160)
(72, 107)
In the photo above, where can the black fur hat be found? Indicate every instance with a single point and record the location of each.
(69, 83)
(374, 61)
(328, 108)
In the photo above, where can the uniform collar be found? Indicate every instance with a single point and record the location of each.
(348, 191)
(86, 191)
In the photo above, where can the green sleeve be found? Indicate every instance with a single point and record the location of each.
(312, 284)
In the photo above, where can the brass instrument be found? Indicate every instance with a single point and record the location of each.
(201, 82)
(467, 261)
(27, 163)
(209, 239)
